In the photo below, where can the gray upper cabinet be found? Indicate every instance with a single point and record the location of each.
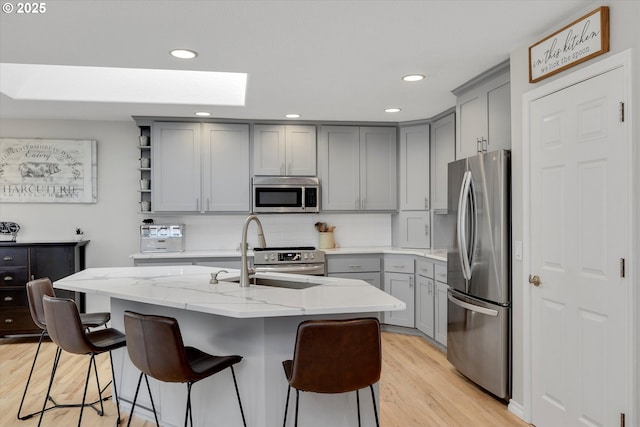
(225, 177)
(414, 168)
(443, 138)
(200, 167)
(358, 168)
(483, 113)
(284, 150)
(176, 167)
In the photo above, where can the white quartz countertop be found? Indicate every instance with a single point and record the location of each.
(435, 254)
(188, 287)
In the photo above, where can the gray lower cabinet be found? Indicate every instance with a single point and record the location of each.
(425, 298)
(441, 304)
(399, 282)
(360, 267)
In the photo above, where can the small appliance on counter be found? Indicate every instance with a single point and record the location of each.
(162, 238)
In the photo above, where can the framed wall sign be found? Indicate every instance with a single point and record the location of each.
(579, 41)
(48, 171)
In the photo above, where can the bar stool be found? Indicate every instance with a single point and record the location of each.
(66, 330)
(335, 356)
(156, 348)
(36, 289)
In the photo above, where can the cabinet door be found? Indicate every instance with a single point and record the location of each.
(300, 150)
(414, 168)
(414, 229)
(441, 313)
(425, 316)
(443, 142)
(499, 117)
(378, 176)
(269, 156)
(176, 167)
(54, 262)
(340, 167)
(226, 181)
(400, 286)
(472, 117)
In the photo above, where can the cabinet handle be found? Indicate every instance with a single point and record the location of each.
(426, 203)
(399, 266)
(197, 203)
(8, 299)
(7, 258)
(355, 266)
(8, 320)
(8, 278)
(411, 282)
(426, 230)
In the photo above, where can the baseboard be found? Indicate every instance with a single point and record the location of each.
(516, 409)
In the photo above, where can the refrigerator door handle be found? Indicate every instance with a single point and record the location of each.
(472, 307)
(463, 201)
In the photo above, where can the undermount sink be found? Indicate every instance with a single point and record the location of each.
(278, 283)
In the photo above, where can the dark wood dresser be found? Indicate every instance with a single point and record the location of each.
(21, 262)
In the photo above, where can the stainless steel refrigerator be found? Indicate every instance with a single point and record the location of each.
(479, 270)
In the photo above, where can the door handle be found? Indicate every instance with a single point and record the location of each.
(535, 280)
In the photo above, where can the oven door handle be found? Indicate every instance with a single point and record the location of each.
(293, 269)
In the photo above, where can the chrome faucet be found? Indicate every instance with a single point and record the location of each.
(244, 273)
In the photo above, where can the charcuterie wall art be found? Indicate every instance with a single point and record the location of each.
(48, 170)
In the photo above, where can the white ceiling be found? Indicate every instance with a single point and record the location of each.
(326, 60)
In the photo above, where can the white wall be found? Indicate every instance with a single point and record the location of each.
(624, 34)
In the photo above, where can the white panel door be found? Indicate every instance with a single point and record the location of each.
(578, 236)
(269, 150)
(400, 285)
(443, 146)
(300, 150)
(226, 182)
(340, 166)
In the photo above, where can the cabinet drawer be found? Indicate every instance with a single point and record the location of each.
(13, 298)
(12, 257)
(14, 276)
(398, 264)
(352, 264)
(16, 321)
(441, 273)
(424, 268)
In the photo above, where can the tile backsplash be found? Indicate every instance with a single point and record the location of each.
(224, 232)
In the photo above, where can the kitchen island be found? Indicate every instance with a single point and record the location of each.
(258, 322)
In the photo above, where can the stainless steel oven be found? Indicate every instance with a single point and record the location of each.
(295, 260)
(286, 194)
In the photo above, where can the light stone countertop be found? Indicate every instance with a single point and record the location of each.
(435, 254)
(187, 287)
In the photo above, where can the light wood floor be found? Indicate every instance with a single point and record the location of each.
(418, 388)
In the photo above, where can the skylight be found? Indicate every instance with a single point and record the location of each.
(128, 85)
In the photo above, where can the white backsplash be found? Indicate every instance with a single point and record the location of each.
(223, 232)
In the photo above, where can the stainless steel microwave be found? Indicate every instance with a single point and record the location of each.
(286, 194)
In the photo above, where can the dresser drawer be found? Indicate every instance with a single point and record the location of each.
(353, 264)
(424, 268)
(14, 277)
(17, 321)
(441, 273)
(14, 257)
(13, 298)
(398, 264)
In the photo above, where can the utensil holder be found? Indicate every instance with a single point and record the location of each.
(326, 240)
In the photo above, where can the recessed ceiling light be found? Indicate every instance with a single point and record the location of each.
(293, 116)
(184, 53)
(413, 77)
(203, 113)
(393, 110)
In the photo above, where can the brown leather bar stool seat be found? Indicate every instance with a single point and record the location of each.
(156, 348)
(66, 330)
(36, 289)
(335, 356)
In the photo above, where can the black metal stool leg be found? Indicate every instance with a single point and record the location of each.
(187, 415)
(86, 386)
(375, 411)
(235, 383)
(56, 359)
(135, 398)
(297, 401)
(33, 365)
(358, 404)
(286, 407)
(115, 388)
